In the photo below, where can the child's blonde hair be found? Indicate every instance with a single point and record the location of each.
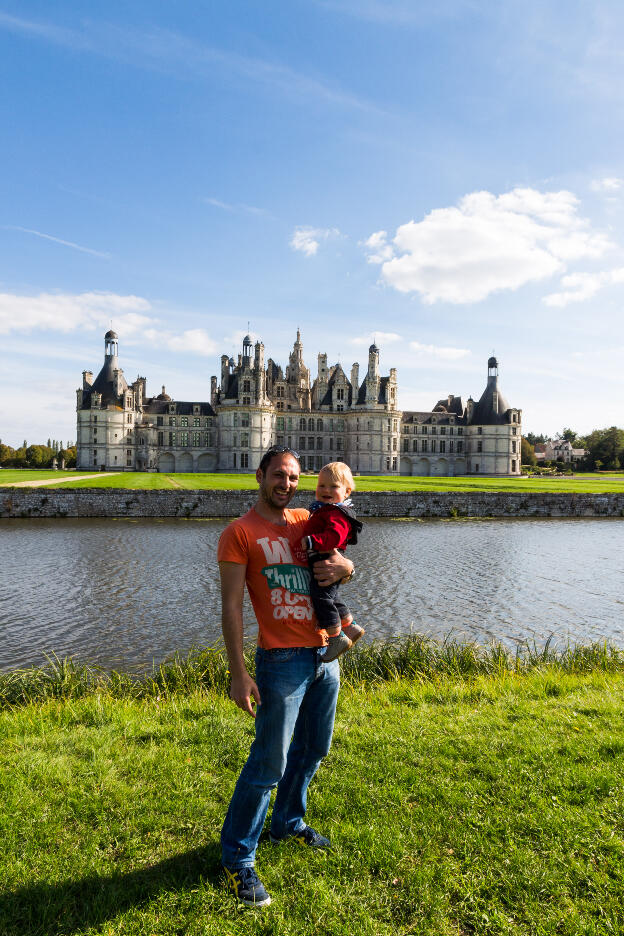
(338, 471)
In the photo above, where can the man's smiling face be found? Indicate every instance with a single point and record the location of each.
(279, 483)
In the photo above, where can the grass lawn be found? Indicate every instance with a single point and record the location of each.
(482, 805)
(12, 475)
(581, 483)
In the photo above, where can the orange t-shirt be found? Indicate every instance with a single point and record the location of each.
(278, 579)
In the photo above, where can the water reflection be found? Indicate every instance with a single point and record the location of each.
(126, 593)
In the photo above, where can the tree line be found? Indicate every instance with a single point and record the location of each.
(604, 448)
(37, 456)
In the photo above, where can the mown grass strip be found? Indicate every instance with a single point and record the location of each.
(581, 483)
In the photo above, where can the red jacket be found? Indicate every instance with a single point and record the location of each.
(328, 528)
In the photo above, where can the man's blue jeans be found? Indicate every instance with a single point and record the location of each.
(298, 693)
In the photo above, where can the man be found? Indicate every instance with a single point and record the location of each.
(294, 692)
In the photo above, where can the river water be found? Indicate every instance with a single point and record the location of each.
(130, 593)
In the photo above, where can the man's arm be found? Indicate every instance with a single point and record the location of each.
(243, 688)
(333, 569)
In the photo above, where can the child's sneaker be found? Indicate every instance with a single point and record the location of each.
(337, 645)
(353, 631)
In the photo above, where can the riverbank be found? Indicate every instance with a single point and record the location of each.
(474, 797)
(18, 503)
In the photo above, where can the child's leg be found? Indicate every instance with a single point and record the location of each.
(349, 627)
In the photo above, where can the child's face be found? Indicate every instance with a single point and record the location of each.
(329, 490)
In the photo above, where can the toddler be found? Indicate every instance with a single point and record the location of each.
(331, 525)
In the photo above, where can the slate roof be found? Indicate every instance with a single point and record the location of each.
(154, 406)
(383, 385)
(486, 413)
(104, 384)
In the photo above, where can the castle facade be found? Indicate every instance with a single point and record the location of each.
(329, 418)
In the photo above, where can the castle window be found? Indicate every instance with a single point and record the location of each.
(244, 460)
(433, 430)
(424, 430)
(442, 430)
(394, 464)
(172, 438)
(460, 447)
(406, 445)
(128, 453)
(279, 440)
(388, 464)
(310, 442)
(451, 445)
(94, 453)
(244, 442)
(129, 418)
(310, 425)
(395, 424)
(450, 430)
(289, 424)
(246, 401)
(244, 419)
(340, 393)
(159, 421)
(279, 423)
(513, 430)
(246, 386)
(234, 437)
(442, 446)
(196, 421)
(196, 409)
(184, 421)
(301, 442)
(331, 443)
(339, 407)
(234, 460)
(415, 445)
(161, 438)
(94, 418)
(172, 421)
(479, 430)
(460, 430)
(513, 464)
(370, 424)
(235, 420)
(394, 445)
(433, 445)
(513, 448)
(302, 423)
(319, 425)
(477, 468)
(196, 437)
(340, 425)
(423, 445)
(479, 446)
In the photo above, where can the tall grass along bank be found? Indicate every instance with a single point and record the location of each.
(467, 791)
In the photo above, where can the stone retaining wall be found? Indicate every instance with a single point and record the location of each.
(93, 502)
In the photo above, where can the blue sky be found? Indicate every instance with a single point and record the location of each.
(446, 177)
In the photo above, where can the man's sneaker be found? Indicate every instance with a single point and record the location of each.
(247, 886)
(336, 647)
(353, 631)
(306, 836)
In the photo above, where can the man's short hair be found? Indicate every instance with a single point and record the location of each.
(339, 471)
(273, 452)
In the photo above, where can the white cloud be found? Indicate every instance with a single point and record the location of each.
(195, 340)
(577, 287)
(64, 312)
(486, 243)
(378, 338)
(608, 186)
(307, 239)
(68, 312)
(439, 352)
(379, 248)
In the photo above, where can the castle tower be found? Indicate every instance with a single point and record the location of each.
(494, 431)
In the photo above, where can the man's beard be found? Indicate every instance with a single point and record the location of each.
(268, 499)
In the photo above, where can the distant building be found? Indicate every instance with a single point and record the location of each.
(558, 450)
(330, 418)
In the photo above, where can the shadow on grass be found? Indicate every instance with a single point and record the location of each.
(71, 906)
